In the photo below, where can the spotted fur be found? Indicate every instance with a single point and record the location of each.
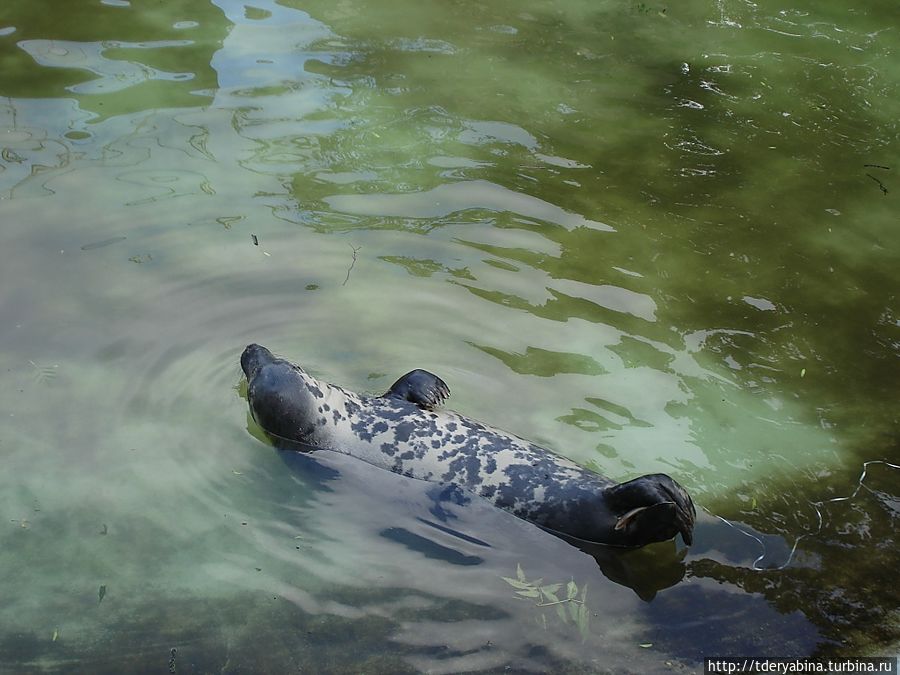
(445, 447)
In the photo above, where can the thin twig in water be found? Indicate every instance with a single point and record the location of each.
(559, 602)
(352, 263)
(884, 190)
(878, 166)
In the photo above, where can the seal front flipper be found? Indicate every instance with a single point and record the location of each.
(418, 386)
(652, 507)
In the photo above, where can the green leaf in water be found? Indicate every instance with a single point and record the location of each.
(549, 595)
(561, 612)
(576, 614)
(583, 621)
(519, 572)
(515, 583)
(102, 593)
(44, 374)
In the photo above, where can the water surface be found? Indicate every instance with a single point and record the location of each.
(650, 237)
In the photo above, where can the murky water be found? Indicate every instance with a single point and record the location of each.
(651, 237)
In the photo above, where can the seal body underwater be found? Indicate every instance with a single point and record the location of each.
(402, 431)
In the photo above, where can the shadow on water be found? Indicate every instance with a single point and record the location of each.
(668, 578)
(760, 595)
(645, 571)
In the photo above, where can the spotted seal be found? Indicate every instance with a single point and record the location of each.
(404, 432)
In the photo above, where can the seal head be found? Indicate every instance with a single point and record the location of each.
(655, 506)
(254, 357)
(281, 400)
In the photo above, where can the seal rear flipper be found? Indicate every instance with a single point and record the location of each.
(418, 386)
(652, 508)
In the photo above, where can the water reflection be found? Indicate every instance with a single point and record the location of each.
(646, 571)
(455, 197)
(133, 60)
(645, 239)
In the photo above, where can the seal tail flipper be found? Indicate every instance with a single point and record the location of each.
(653, 506)
(418, 386)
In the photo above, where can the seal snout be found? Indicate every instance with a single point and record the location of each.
(652, 508)
(254, 357)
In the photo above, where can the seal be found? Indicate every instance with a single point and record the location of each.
(404, 432)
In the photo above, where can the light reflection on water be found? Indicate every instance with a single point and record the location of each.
(648, 259)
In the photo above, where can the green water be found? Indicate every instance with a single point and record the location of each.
(651, 237)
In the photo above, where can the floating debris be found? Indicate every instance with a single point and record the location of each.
(43, 374)
(352, 262)
(881, 186)
(102, 593)
(226, 221)
(11, 156)
(104, 529)
(254, 239)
